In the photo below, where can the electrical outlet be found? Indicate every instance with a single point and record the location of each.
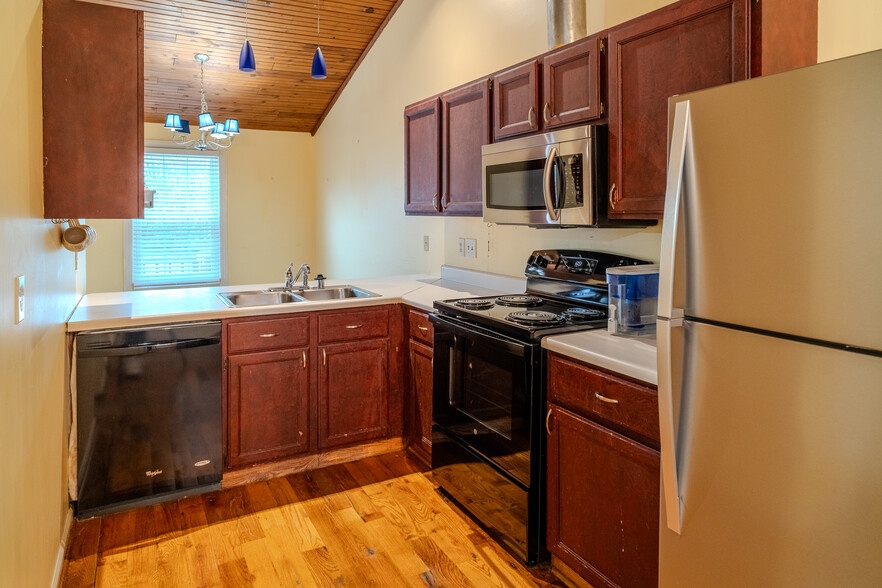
(461, 247)
(471, 246)
(19, 299)
(425, 242)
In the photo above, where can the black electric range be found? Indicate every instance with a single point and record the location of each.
(488, 399)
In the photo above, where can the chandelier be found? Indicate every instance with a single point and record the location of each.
(213, 136)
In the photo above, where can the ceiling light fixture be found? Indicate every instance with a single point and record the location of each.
(319, 69)
(209, 129)
(246, 55)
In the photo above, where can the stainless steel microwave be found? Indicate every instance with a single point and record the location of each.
(555, 179)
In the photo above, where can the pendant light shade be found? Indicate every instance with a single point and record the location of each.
(319, 69)
(246, 58)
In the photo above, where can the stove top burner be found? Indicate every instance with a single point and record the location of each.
(475, 303)
(533, 317)
(577, 314)
(519, 300)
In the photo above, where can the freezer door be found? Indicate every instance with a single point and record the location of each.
(781, 202)
(778, 453)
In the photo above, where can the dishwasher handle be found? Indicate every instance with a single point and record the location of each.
(145, 348)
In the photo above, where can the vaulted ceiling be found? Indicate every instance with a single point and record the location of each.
(281, 94)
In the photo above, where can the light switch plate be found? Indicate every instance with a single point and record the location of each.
(461, 247)
(425, 242)
(471, 247)
(19, 299)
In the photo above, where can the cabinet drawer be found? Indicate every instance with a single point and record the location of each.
(621, 405)
(356, 324)
(420, 327)
(259, 335)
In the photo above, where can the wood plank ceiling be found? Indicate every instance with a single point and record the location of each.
(281, 94)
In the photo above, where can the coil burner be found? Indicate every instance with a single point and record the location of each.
(533, 318)
(579, 314)
(475, 303)
(519, 300)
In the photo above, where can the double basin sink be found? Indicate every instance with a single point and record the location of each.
(275, 296)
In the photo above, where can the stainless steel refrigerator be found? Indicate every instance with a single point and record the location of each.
(770, 332)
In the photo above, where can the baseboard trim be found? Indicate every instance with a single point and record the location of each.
(62, 548)
(297, 465)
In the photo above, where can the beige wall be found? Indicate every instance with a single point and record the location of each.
(270, 211)
(33, 491)
(848, 27)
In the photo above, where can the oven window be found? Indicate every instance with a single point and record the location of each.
(516, 186)
(488, 394)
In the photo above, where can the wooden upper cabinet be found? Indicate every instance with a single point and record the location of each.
(683, 47)
(422, 186)
(93, 111)
(516, 101)
(571, 84)
(465, 114)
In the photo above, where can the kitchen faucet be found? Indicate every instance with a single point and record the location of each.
(291, 278)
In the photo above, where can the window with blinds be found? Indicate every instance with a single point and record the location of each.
(180, 241)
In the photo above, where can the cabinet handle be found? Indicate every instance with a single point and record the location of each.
(423, 329)
(268, 335)
(530, 117)
(354, 326)
(548, 418)
(445, 200)
(545, 113)
(435, 203)
(304, 359)
(324, 357)
(612, 196)
(605, 399)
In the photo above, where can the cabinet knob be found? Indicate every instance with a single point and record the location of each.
(530, 114)
(613, 196)
(545, 112)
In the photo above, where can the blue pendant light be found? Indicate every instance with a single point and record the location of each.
(246, 55)
(246, 58)
(319, 69)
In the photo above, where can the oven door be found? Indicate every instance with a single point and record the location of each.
(483, 394)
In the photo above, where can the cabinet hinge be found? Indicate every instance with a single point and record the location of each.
(226, 362)
(603, 45)
(490, 84)
(602, 108)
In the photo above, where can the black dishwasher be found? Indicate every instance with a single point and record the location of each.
(148, 415)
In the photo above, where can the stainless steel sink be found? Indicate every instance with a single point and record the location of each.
(258, 298)
(335, 293)
(274, 296)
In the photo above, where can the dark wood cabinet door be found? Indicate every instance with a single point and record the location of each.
(571, 84)
(603, 502)
(421, 393)
(353, 392)
(465, 115)
(268, 412)
(422, 161)
(516, 101)
(687, 46)
(93, 111)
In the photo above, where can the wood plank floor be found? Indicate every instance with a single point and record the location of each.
(376, 522)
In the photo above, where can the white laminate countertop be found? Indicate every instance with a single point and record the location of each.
(115, 310)
(634, 357)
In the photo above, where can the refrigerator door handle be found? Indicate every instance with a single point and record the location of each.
(671, 317)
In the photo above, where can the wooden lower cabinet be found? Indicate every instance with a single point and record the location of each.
(421, 394)
(268, 412)
(353, 392)
(603, 502)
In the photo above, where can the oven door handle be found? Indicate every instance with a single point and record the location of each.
(476, 334)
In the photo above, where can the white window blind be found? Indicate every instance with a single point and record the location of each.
(180, 240)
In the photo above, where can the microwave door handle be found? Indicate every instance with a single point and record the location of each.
(547, 186)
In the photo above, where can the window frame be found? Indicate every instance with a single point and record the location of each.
(169, 147)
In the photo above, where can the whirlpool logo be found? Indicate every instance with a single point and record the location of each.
(152, 473)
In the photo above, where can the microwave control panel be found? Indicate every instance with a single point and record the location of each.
(571, 172)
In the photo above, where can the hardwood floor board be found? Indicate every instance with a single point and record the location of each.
(378, 522)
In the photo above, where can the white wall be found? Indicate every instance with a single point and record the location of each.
(33, 488)
(270, 211)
